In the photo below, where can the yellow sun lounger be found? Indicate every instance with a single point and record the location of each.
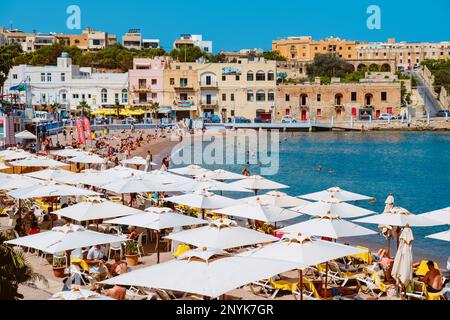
(182, 248)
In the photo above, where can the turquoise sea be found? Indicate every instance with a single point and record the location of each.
(414, 166)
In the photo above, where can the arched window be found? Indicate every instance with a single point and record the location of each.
(260, 76)
(104, 96)
(124, 96)
(260, 96)
(270, 76)
(250, 76)
(250, 96)
(271, 95)
(303, 99)
(338, 99)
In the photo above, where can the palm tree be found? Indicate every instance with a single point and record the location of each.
(154, 107)
(14, 270)
(85, 109)
(117, 105)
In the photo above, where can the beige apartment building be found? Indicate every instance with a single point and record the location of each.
(376, 94)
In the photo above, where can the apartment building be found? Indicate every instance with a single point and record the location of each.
(28, 41)
(133, 40)
(193, 40)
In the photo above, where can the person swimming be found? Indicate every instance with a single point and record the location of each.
(330, 171)
(319, 169)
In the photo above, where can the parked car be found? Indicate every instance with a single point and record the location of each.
(100, 120)
(387, 116)
(288, 119)
(131, 120)
(260, 119)
(443, 113)
(213, 118)
(242, 120)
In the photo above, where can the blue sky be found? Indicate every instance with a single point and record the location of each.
(239, 24)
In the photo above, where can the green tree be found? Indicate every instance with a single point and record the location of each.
(326, 65)
(187, 54)
(273, 55)
(85, 109)
(7, 55)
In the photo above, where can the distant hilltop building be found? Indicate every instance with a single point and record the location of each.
(133, 40)
(193, 40)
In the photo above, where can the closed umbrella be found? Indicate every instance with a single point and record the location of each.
(402, 269)
(335, 193)
(257, 183)
(278, 199)
(192, 170)
(207, 272)
(337, 209)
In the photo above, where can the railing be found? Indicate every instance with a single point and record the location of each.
(212, 84)
(141, 89)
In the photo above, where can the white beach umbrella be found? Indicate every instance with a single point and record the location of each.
(38, 162)
(331, 227)
(51, 174)
(257, 183)
(399, 217)
(259, 211)
(222, 175)
(9, 151)
(96, 208)
(442, 215)
(25, 135)
(444, 236)
(336, 209)
(165, 177)
(138, 161)
(210, 273)
(68, 237)
(17, 181)
(335, 194)
(88, 158)
(50, 189)
(68, 152)
(138, 185)
(16, 155)
(79, 294)
(221, 234)
(278, 199)
(402, 269)
(210, 185)
(203, 199)
(192, 170)
(123, 172)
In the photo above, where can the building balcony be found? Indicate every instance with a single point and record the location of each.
(141, 89)
(184, 87)
(211, 85)
(139, 102)
(210, 105)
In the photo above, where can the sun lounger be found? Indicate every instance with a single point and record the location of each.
(373, 283)
(337, 276)
(362, 258)
(419, 291)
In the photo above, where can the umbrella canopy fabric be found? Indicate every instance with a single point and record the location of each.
(138, 161)
(88, 158)
(210, 185)
(278, 199)
(96, 208)
(402, 270)
(158, 219)
(10, 155)
(38, 162)
(50, 190)
(123, 172)
(302, 251)
(400, 217)
(221, 234)
(222, 175)
(209, 273)
(51, 174)
(203, 200)
(259, 211)
(444, 236)
(258, 183)
(138, 185)
(336, 209)
(335, 194)
(331, 227)
(192, 170)
(79, 294)
(442, 215)
(25, 135)
(69, 153)
(165, 177)
(68, 237)
(17, 181)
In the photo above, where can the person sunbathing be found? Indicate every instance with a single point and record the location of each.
(117, 292)
(433, 278)
(118, 267)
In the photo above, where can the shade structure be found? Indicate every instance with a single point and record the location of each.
(11, 155)
(442, 215)
(210, 273)
(138, 161)
(192, 170)
(51, 174)
(444, 236)
(88, 158)
(38, 162)
(336, 209)
(165, 177)
(25, 135)
(203, 200)
(96, 208)
(278, 199)
(123, 172)
(158, 219)
(139, 185)
(79, 294)
(68, 237)
(50, 189)
(259, 211)
(402, 270)
(16, 181)
(222, 175)
(221, 234)
(303, 251)
(399, 217)
(330, 227)
(335, 194)
(69, 153)
(258, 183)
(210, 185)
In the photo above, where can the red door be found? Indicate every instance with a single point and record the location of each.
(288, 112)
(378, 113)
(354, 112)
(389, 110)
(304, 117)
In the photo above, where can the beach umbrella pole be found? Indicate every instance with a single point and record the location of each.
(157, 247)
(300, 277)
(326, 276)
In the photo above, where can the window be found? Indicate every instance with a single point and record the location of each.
(75, 96)
(319, 97)
(63, 77)
(172, 81)
(42, 77)
(104, 96)
(64, 97)
(15, 76)
(319, 112)
(238, 77)
(96, 42)
(183, 82)
(250, 76)
(116, 97)
(260, 96)
(154, 82)
(154, 95)
(287, 97)
(224, 78)
(354, 96)
(383, 96)
(271, 95)
(232, 97)
(250, 96)
(124, 96)
(260, 76)
(89, 96)
(142, 98)
(49, 77)
(83, 97)
(224, 97)
(271, 76)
